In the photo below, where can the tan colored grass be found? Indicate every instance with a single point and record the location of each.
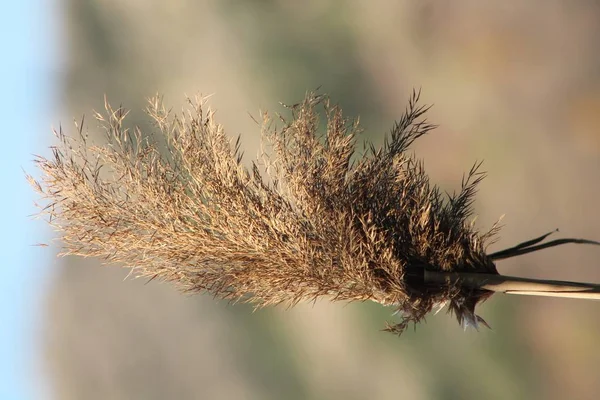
(309, 219)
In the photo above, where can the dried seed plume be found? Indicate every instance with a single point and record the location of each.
(310, 218)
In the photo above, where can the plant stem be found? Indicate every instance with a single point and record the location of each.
(517, 285)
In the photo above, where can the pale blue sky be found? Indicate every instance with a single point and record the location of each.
(28, 78)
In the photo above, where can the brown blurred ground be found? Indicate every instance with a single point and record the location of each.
(516, 84)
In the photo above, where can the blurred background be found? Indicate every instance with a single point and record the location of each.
(516, 84)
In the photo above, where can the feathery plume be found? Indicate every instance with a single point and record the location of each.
(309, 219)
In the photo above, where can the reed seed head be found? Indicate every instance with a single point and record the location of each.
(310, 218)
